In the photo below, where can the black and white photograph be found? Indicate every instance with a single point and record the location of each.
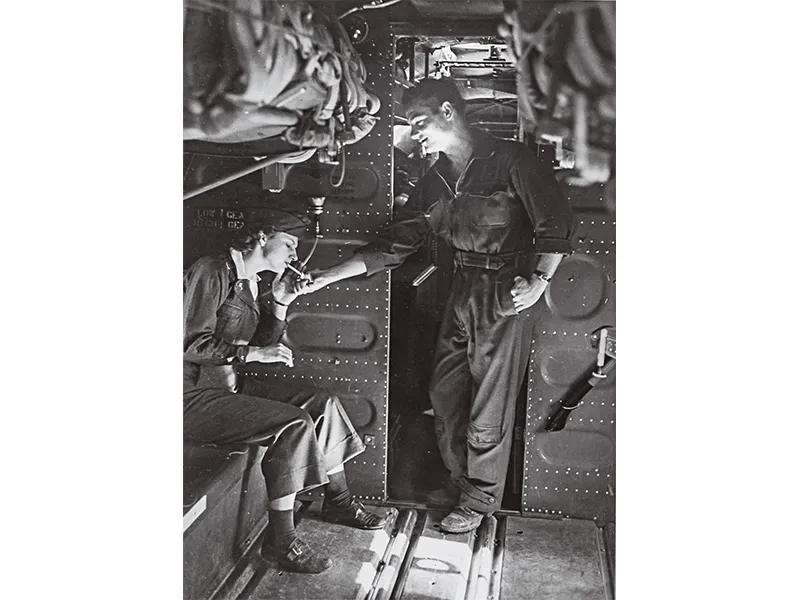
(399, 316)
(390, 298)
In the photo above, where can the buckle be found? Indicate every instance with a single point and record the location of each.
(493, 262)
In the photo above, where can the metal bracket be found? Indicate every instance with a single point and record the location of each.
(606, 346)
(419, 279)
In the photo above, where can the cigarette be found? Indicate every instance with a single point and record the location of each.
(301, 274)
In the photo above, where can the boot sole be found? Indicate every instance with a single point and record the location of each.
(464, 529)
(344, 521)
(290, 566)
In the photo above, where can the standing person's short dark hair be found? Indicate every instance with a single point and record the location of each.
(432, 93)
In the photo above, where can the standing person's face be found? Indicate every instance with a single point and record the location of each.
(279, 250)
(433, 129)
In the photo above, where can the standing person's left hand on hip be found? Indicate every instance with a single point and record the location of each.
(527, 293)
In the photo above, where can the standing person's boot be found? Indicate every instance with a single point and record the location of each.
(461, 520)
(340, 506)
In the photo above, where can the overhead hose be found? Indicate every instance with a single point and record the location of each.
(371, 6)
(341, 175)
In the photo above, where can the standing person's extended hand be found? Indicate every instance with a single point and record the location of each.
(317, 280)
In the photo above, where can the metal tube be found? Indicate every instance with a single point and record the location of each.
(405, 567)
(411, 66)
(265, 162)
(606, 563)
(393, 558)
(497, 561)
(480, 572)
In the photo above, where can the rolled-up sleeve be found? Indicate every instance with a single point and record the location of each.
(205, 287)
(534, 181)
(396, 241)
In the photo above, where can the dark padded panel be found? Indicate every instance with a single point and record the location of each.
(572, 473)
(211, 471)
(209, 548)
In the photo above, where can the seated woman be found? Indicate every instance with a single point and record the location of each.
(307, 433)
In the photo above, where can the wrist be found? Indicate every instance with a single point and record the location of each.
(323, 278)
(243, 353)
(542, 277)
(284, 300)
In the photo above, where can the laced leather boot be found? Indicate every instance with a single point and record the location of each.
(461, 520)
(352, 514)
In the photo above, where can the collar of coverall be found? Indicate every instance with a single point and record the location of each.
(485, 147)
(238, 263)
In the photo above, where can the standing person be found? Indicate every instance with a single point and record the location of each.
(232, 316)
(500, 209)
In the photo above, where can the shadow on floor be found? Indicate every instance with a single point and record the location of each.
(415, 465)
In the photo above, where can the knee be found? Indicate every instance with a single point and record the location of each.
(306, 422)
(324, 399)
(301, 419)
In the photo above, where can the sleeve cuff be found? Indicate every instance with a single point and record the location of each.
(240, 355)
(373, 260)
(553, 246)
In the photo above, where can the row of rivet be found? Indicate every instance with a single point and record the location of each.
(337, 213)
(574, 472)
(529, 509)
(326, 361)
(544, 511)
(574, 333)
(312, 377)
(333, 305)
(541, 399)
(577, 491)
(569, 471)
(580, 420)
(347, 289)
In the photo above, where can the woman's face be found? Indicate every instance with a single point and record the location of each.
(279, 250)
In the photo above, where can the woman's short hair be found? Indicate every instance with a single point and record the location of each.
(246, 237)
(432, 93)
(268, 221)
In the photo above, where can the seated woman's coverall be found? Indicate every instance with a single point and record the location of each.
(306, 430)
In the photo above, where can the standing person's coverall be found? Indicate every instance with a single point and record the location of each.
(504, 210)
(306, 430)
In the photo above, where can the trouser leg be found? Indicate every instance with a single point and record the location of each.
(498, 359)
(450, 392)
(306, 432)
(335, 434)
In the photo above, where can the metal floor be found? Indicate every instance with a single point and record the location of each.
(507, 558)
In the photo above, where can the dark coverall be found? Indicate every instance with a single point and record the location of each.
(504, 210)
(306, 430)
